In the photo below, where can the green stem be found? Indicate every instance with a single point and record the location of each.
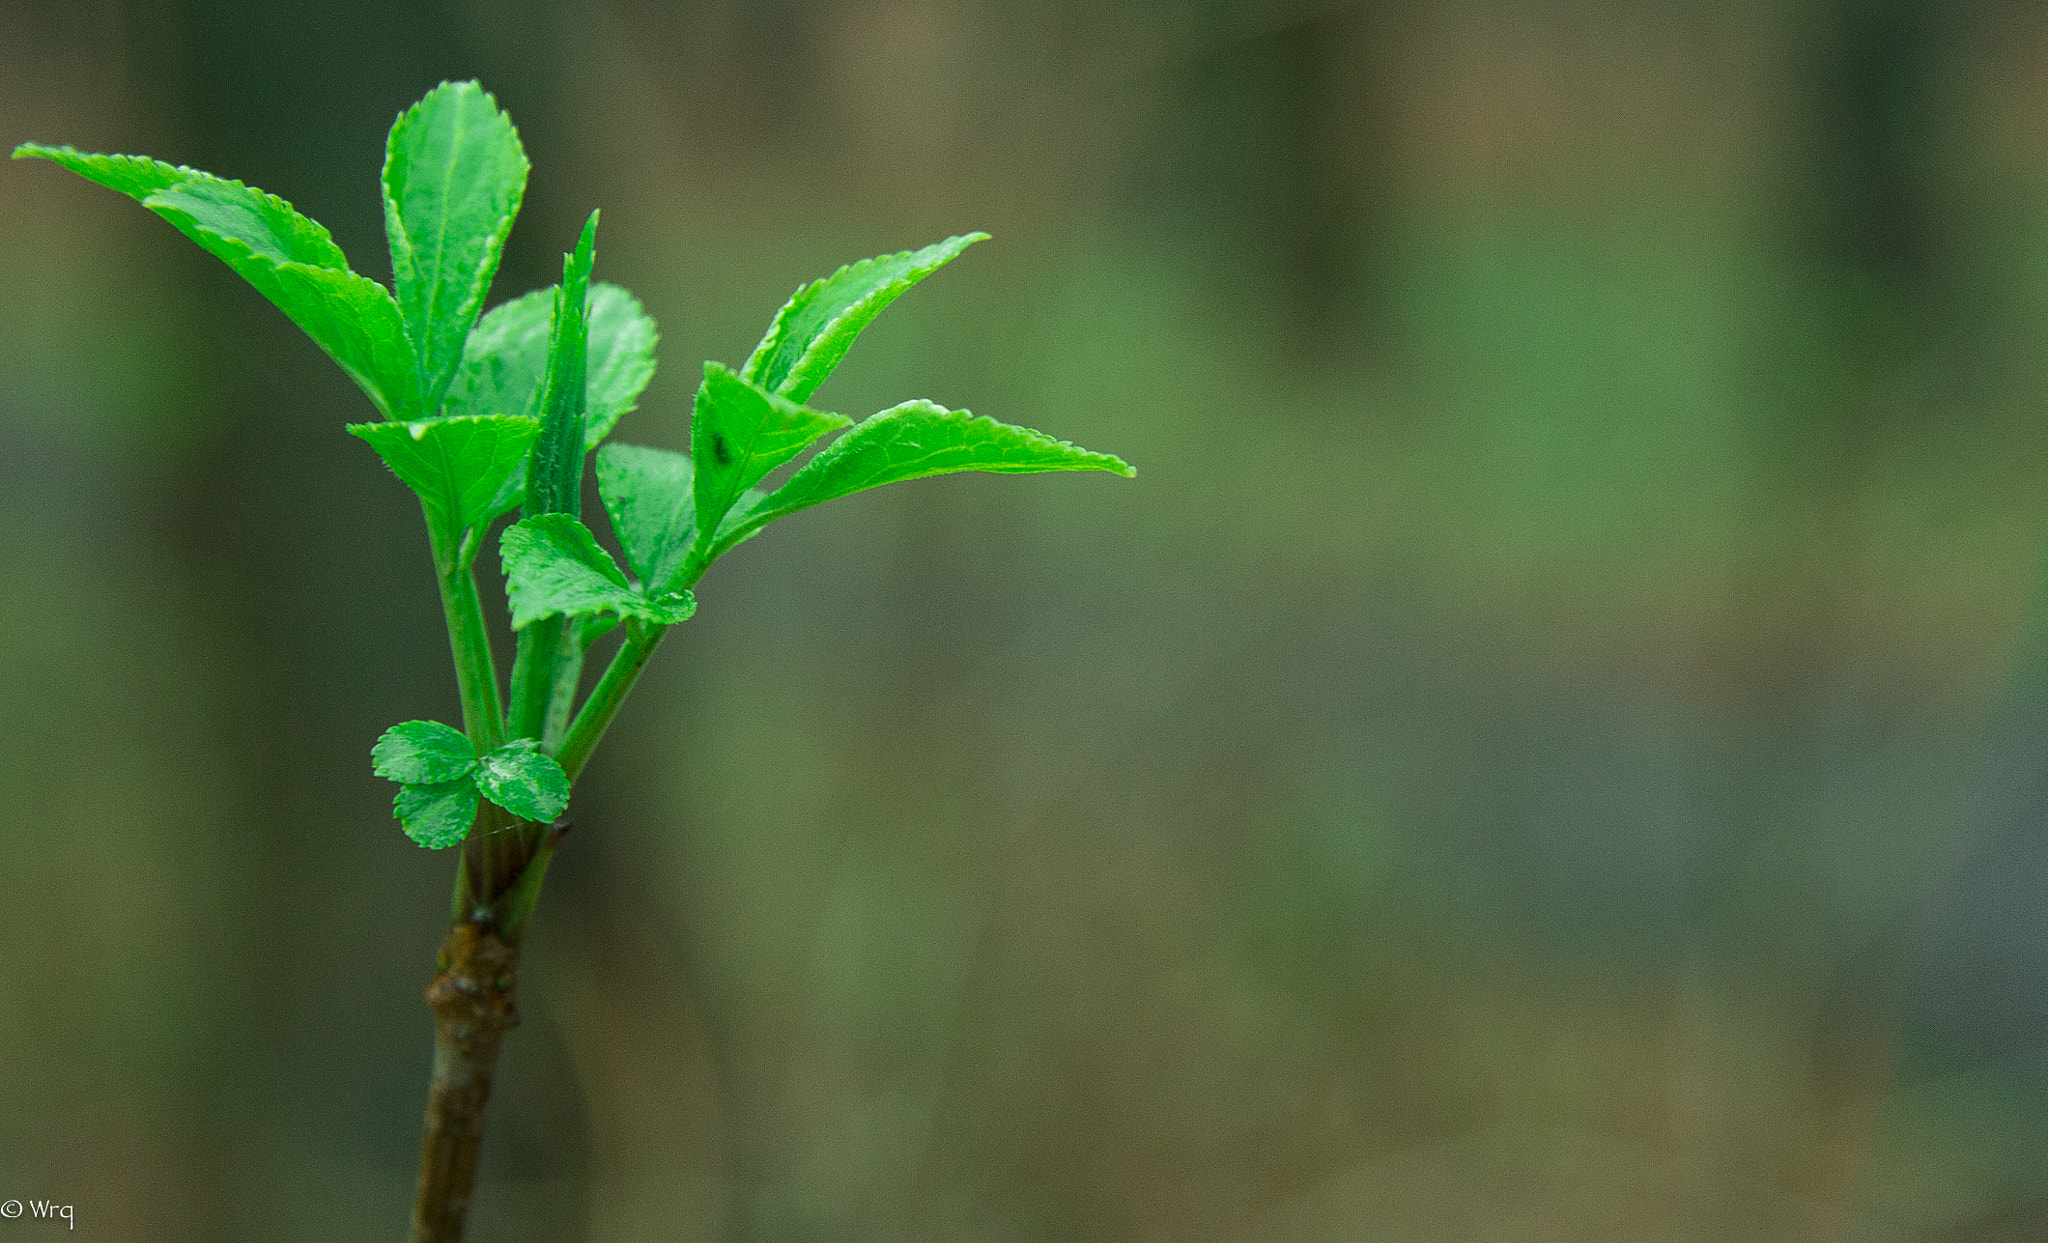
(568, 675)
(476, 673)
(534, 669)
(472, 993)
(597, 711)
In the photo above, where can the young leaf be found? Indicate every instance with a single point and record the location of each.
(211, 211)
(423, 753)
(458, 466)
(553, 565)
(290, 260)
(554, 475)
(911, 441)
(506, 359)
(437, 815)
(518, 778)
(816, 327)
(544, 667)
(622, 339)
(454, 175)
(649, 495)
(738, 433)
(136, 176)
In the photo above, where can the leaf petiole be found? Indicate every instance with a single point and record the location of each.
(536, 668)
(610, 692)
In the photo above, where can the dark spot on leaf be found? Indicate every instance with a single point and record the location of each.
(719, 451)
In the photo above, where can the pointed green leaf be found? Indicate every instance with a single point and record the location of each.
(816, 327)
(507, 359)
(454, 175)
(910, 441)
(554, 475)
(136, 176)
(458, 466)
(738, 433)
(210, 210)
(648, 493)
(437, 815)
(423, 753)
(554, 484)
(554, 565)
(290, 259)
(518, 778)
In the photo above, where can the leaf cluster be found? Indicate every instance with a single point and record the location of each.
(488, 411)
(441, 778)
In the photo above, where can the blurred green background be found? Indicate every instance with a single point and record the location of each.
(1549, 748)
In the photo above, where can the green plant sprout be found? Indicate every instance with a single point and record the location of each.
(486, 412)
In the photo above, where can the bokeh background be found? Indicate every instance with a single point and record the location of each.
(1549, 748)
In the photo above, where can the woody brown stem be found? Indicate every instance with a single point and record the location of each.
(472, 1001)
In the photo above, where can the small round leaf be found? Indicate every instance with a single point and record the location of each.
(518, 778)
(423, 753)
(437, 815)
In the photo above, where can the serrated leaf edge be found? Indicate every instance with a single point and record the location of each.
(594, 435)
(406, 826)
(471, 307)
(527, 746)
(784, 316)
(269, 200)
(740, 524)
(44, 151)
(377, 767)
